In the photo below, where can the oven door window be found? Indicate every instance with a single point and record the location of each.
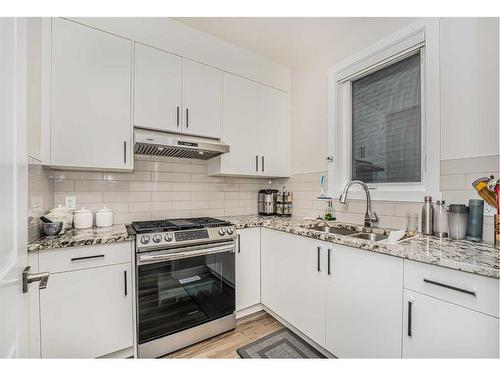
(179, 294)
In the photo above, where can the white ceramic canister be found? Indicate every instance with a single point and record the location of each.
(83, 218)
(104, 217)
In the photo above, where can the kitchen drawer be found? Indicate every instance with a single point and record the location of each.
(475, 292)
(77, 258)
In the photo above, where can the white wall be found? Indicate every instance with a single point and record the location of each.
(178, 38)
(310, 97)
(469, 87)
(470, 107)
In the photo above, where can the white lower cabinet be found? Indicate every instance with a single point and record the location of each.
(363, 304)
(87, 312)
(433, 328)
(248, 268)
(293, 272)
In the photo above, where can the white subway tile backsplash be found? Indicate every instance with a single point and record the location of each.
(128, 196)
(150, 206)
(171, 196)
(149, 186)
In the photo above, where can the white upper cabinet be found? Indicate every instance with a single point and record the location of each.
(201, 99)
(274, 132)
(157, 89)
(255, 124)
(364, 303)
(90, 98)
(240, 130)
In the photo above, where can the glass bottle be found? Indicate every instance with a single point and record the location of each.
(330, 211)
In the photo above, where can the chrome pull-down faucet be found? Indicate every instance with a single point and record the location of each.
(370, 216)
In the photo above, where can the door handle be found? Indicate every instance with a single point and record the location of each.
(410, 313)
(329, 259)
(29, 278)
(87, 257)
(319, 258)
(125, 278)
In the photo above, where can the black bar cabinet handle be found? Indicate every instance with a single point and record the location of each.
(470, 292)
(256, 163)
(410, 308)
(239, 244)
(177, 116)
(88, 257)
(319, 258)
(329, 259)
(187, 117)
(125, 278)
(124, 152)
(262, 163)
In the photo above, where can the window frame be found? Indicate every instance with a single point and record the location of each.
(421, 35)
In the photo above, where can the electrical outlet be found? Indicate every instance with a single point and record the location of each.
(70, 202)
(489, 210)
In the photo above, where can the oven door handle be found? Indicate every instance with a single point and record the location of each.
(145, 258)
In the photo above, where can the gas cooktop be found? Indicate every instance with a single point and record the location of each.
(177, 224)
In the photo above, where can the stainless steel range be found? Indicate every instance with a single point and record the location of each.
(185, 283)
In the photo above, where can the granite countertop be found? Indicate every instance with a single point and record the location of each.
(83, 237)
(474, 257)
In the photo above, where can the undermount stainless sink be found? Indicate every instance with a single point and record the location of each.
(370, 236)
(334, 230)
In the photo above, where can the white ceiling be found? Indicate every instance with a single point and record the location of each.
(289, 41)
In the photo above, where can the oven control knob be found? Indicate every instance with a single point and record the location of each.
(222, 231)
(169, 237)
(145, 239)
(156, 238)
(230, 231)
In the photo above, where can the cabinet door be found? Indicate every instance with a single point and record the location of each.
(87, 313)
(248, 268)
(90, 101)
(201, 98)
(364, 304)
(274, 132)
(157, 89)
(293, 281)
(433, 328)
(240, 126)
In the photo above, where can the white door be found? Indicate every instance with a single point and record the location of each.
(13, 189)
(157, 89)
(293, 281)
(364, 304)
(201, 99)
(274, 132)
(433, 328)
(87, 313)
(91, 94)
(240, 126)
(248, 268)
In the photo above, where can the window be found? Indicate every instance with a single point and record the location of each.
(384, 117)
(386, 124)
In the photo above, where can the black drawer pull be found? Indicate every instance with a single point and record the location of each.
(410, 308)
(88, 257)
(470, 292)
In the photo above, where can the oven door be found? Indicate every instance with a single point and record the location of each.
(183, 289)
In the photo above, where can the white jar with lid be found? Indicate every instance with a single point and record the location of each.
(83, 219)
(104, 217)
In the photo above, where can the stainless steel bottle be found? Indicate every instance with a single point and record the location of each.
(427, 216)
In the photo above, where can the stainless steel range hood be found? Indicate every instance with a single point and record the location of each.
(152, 142)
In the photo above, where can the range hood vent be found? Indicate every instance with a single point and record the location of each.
(150, 142)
